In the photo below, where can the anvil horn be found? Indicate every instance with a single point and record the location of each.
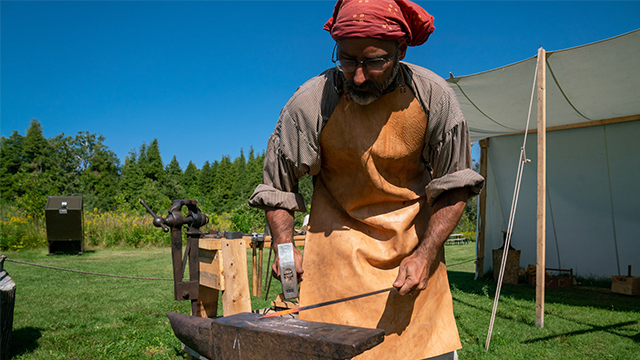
(244, 336)
(194, 332)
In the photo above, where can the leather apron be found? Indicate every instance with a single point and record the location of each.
(368, 212)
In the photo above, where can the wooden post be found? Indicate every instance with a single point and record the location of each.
(254, 270)
(235, 298)
(260, 248)
(542, 184)
(480, 239)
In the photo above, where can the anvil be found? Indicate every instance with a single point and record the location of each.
(245, 336)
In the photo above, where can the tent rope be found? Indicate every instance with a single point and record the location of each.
(86, 272)
(514, 204)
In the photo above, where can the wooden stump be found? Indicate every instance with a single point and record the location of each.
(512, 266)
(7, 302)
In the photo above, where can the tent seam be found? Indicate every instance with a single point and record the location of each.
(477, 108)
(562, 91)
(553, 223)
(613, 214)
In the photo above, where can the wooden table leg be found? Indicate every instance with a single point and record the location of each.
(254, 271)
(260, 247)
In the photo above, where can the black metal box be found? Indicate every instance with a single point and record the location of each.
(65, 224)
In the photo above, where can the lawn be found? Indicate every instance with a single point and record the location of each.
(62, 315)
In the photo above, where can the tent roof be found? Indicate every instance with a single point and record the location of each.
(592, 82)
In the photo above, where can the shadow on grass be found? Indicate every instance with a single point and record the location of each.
(464, 282)
(594, 328)
(578, 297)
(24, 340)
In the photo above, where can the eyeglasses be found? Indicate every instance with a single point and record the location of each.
(372, 65)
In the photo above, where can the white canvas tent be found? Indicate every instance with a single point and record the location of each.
(593, 156)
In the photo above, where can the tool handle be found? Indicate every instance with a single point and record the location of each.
(158, 221)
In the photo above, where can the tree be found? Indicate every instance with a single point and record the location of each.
(67, 174)
(36, 177)
(221, 197)
(190, 181)
(10, 161)
(36, 151)
(99, 181)
(132, 179)
(173, 168)
(173, 179)
(152, 164)
(240, 190)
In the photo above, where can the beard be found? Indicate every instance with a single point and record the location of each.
(369, 90)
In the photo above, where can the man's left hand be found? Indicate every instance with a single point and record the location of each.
(413, 274)
(414, 269)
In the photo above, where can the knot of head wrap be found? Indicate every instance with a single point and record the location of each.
(399, 20)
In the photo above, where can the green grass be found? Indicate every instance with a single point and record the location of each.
(582, 323)
(62, 315)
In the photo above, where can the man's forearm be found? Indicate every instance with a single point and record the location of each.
(281, 224)
(445, 214)
(413, 272)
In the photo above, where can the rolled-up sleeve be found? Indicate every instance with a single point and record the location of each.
(279, 188)
(447, 142)
(452, 166)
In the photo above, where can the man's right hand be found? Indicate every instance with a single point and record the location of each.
(281, 225)
(297, 257)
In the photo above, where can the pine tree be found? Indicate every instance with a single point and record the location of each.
(206, 179)
(153, 167)
(10, 161)
(173, 169)
(36, 151)
(222, 197)
(240, 189)
(132, 180)
(36, 178)
(254, 170)
(173, 179)
(190, 181)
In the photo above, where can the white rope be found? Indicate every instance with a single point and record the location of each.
(514, 204)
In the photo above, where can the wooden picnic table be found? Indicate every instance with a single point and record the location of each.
(456, 239)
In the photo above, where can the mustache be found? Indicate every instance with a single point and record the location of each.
(365, 86)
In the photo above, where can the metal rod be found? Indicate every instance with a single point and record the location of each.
(326, 303)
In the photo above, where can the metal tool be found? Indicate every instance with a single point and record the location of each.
(242, 336)
(194, 219)
(288, 275)
(318, 305)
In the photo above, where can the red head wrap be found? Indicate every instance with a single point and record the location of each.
(399, 20)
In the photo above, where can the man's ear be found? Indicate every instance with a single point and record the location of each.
(402, 50)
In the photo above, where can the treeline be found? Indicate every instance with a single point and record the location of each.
(33, 167)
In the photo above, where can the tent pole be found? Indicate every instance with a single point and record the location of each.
(484, 145)
(542, 184)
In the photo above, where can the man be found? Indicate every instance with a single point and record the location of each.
(389, 150)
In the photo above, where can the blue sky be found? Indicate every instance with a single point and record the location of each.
(207, 78)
